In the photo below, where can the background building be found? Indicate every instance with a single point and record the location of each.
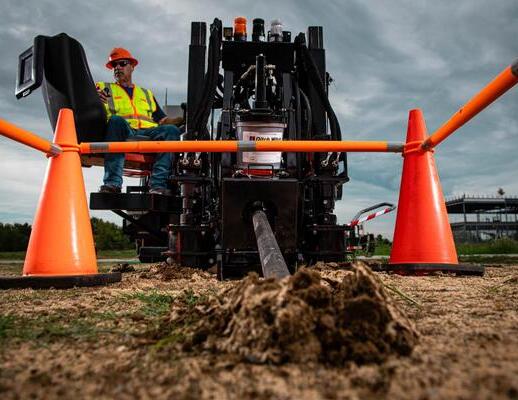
(475, 218)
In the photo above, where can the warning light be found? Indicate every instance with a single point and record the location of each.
(240, 28)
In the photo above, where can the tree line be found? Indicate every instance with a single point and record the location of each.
(107, 236)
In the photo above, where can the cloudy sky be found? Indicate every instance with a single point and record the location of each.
(386, 57)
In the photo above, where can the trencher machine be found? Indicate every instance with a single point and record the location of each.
(238, 210)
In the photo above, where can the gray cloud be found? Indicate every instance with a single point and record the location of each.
(386, 58)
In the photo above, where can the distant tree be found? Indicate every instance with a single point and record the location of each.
(14, 237)
(382, 240)
(107, 236)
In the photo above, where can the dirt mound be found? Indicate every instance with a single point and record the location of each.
(166, 272)
(298, 319)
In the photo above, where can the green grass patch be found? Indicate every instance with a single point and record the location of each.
(191, 299)
(12, 255)
(60, 326)
(45, 329)
(123, 254)
(155, 304)
(170, 334)
(382, 249)
(497, 259)
(498, 246)
(119, 254)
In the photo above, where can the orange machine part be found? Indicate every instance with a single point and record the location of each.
(422, 233)
(61, 241)
(240, 26)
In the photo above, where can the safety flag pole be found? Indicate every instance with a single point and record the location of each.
(28, 138)
(496, 88)
(241, 145)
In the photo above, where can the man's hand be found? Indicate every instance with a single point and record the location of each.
(171, 121)
(103, 95)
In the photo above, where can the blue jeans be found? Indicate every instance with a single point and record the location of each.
(119, 130)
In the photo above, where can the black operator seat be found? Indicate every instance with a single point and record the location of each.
(61, 64)
(68, 83)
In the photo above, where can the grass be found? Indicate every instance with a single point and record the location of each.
(382, 249)
(169, 334)
(60, 326)
(498, 246)
(45, 329)
(493, 260)
(12, 255)
(122, 254)
(155, 304)
(131, 253)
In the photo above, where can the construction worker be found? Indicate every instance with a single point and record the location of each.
(133, 110)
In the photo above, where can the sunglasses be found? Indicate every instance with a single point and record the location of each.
(121, 63)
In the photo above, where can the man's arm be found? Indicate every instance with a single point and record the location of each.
(161, 118)
(171, 121)
(103, 94)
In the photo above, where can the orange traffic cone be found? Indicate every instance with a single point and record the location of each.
(61, 250)
(423, 240)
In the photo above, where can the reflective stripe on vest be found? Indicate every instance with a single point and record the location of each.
(137, 110)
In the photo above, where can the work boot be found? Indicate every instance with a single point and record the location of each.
(161, 191)
(109, 189)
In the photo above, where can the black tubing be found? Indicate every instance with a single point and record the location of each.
(202, 113)
(314, 76)
(309, 116)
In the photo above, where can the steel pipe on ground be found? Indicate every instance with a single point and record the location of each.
(272, 261)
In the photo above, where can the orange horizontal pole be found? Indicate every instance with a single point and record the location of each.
(232, 146)
(496, 88)
(328, 146)
(28, 138)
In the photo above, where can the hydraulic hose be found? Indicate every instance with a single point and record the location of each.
(309, 113)
(202, 113)
(312, 70)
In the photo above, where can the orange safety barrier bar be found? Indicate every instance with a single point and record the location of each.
(28, 138)
(232, 146)
(496, 88)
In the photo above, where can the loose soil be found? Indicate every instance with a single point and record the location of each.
(335, 331)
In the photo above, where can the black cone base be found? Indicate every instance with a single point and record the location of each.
(59, 281)
(426, 269)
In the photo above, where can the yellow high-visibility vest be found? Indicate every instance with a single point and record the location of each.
(137, 110)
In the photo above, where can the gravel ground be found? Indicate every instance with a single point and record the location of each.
(109, 343)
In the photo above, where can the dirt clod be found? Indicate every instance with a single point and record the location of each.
(302, 318)
(166, 272)
(125, 267)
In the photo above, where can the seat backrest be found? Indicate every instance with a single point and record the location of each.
(67, 83)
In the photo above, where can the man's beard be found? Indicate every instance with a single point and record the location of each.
(119, 76)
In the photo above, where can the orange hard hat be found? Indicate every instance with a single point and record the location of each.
(119, 53)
